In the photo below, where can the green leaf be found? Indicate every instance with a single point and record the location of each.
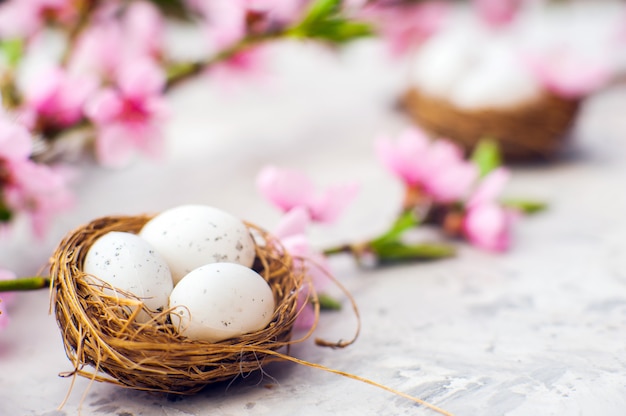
(406, 220)
(321, 10)
(12, 49)
(525, 206)
(340, 31)
(328, 303)
(323, 21)
(394, 251)
(486, 156)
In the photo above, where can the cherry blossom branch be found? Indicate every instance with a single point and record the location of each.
(322, 22)
(178, 72)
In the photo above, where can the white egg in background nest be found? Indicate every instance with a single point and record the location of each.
(220, 301)
(190, 236)
(129, 263)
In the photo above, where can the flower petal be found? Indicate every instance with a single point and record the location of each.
(286, 189)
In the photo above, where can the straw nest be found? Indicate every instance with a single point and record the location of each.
(533, 130)
(105, 343)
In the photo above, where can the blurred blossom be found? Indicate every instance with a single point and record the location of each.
(112, 42)
(486, 223)
(57, 97)
(15, 143)
(23, 18)
(497, 13)
(436, 168)
(292, 233)
(249, 64)
(405, 24)
(288, 189)
(98, 49)
(129, 115)
(37, 190)
(224, 20)
(144, 29)
(569, 75)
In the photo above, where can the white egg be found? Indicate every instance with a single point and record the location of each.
(190, 236)
(220, 301)
(131, 264)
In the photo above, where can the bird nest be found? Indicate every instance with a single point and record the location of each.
(533, 130)
(105, 343)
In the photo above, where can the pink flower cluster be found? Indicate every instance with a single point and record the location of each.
(35, 189)
(437, 168)
(109, 79)
(112, 79)
(296, 195)
(289, 189)
(442, 179)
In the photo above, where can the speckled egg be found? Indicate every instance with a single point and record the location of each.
(129, 263)
(190, 236)
(220, 301)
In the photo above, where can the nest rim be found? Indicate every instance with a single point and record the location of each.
(105, 343)
(536, 129)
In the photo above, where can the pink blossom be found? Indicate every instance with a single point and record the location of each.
(225, 20)
(490, 187)
(57, 97)
(497, 13)
(306, 317)
(26, 17)
(99, 49)
(486, 223)
(15, 142)
(288, 189)
(230, 72)
(448, 175)
(129, 116)
(144, 29)
(435, 167)
(568, 75)
(291, 231)
(39, 191)
(488, 226)
(5, 298)
(406, 25)
(112, 41)
(27, 187)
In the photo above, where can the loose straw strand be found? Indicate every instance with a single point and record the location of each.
(361, 379)
(339, 344)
